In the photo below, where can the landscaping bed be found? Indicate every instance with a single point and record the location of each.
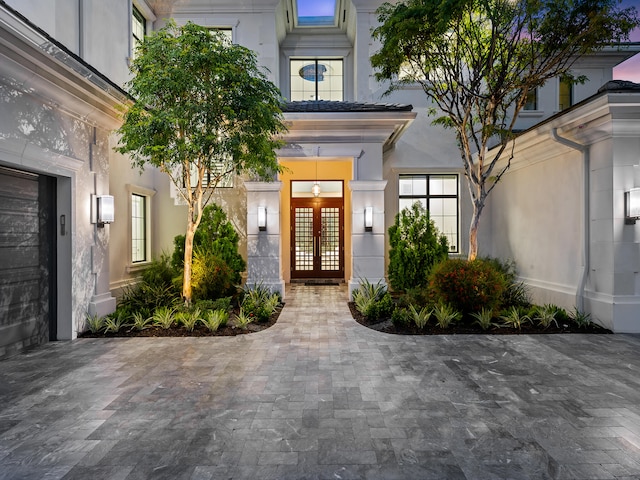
(466, 326)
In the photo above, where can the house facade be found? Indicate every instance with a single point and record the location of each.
(354, 158)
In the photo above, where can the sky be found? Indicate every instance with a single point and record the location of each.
(630, 70)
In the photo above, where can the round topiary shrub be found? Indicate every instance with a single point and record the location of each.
(416, 245)
(468, 286)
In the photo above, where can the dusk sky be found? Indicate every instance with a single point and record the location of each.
(630, 70)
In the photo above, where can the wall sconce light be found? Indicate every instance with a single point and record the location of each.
(102, 210)
(368, 219)
(631, 206)
(262, 218)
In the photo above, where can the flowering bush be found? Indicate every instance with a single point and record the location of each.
(468, 286)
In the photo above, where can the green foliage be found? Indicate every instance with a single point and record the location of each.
(222, 303)
(401, 317)
(515, 317)
(545, 315)
(499, 51)
(214, 319)
(445, 314)
(164, 317)
(211, 276)
(95, 323)
(580, 318)
(420, 317)
(484, 318)
(259, 303)
(215, 235)
(202, 103)
(416, 246)
(515, 292)
(372, 300)
(468, 286)
(243, 319)
(189, 318)
(155, 289)
(141, 321)
(115, 321)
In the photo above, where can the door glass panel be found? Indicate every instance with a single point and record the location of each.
(330, 240)
(303, 229)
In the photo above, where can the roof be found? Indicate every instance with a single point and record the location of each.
(326, 106)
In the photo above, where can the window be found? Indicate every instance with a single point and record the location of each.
(565, 96)
(316, 13)
(220, 172)
(316, 79)
(139, 237)
(439, 194)
(227, 32)
(138, 29)
(532, 100)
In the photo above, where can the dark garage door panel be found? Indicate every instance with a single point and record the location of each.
(27, 246)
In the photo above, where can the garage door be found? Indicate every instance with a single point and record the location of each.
(27, 260)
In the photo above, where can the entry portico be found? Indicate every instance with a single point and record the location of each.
(331, 142)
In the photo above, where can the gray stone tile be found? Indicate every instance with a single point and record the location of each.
(318, 396)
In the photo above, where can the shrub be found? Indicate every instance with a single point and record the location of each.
(515, 317)
(95, 323)
(258, 302)
(580, 318)
(214, 319)
(373, 301)
(484, 318)
(164, 317)
(115, 321)
(416, 245)
(141, 321)
(515, 292)
(154, 290)
(420, 317)
(243, 320)
(215, 235)
(545, 315)
(401, 317)
(468, 286)
(188, 319)
(222, 303)
(211, 276)
(445, 315)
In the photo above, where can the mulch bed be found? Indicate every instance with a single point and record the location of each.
(460, 328)
(180, 331)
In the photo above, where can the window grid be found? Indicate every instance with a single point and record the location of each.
(304, 238)
(330, 247)
(438, 193)
(138, 228)
(138, 30)
(313, 79)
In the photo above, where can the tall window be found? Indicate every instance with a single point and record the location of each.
(138, 228)
(565, 97)
(532, 100)
(316, 80)
(438, 193)
(138, 30)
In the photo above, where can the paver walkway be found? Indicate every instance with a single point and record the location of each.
(318, 396)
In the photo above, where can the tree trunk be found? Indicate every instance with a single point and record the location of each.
(188, 258)
(473, 230)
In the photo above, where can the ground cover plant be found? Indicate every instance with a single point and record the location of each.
(482, 296)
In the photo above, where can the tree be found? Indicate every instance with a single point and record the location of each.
(477, 60)
(204, 109)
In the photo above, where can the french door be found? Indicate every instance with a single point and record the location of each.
(317, 238)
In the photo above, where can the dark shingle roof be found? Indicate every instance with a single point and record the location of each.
(619, 86)
(325, 106)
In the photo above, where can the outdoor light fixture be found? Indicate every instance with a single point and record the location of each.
(368, 219)
(631, 206)
(316, 186)
(262, 218)
(103, 209)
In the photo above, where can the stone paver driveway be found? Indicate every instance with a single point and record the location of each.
(318, 396)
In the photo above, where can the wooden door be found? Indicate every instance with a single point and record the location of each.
(317, 238)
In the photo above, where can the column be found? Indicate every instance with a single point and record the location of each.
(264, 261)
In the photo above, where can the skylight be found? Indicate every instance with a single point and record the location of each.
(316, 12)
